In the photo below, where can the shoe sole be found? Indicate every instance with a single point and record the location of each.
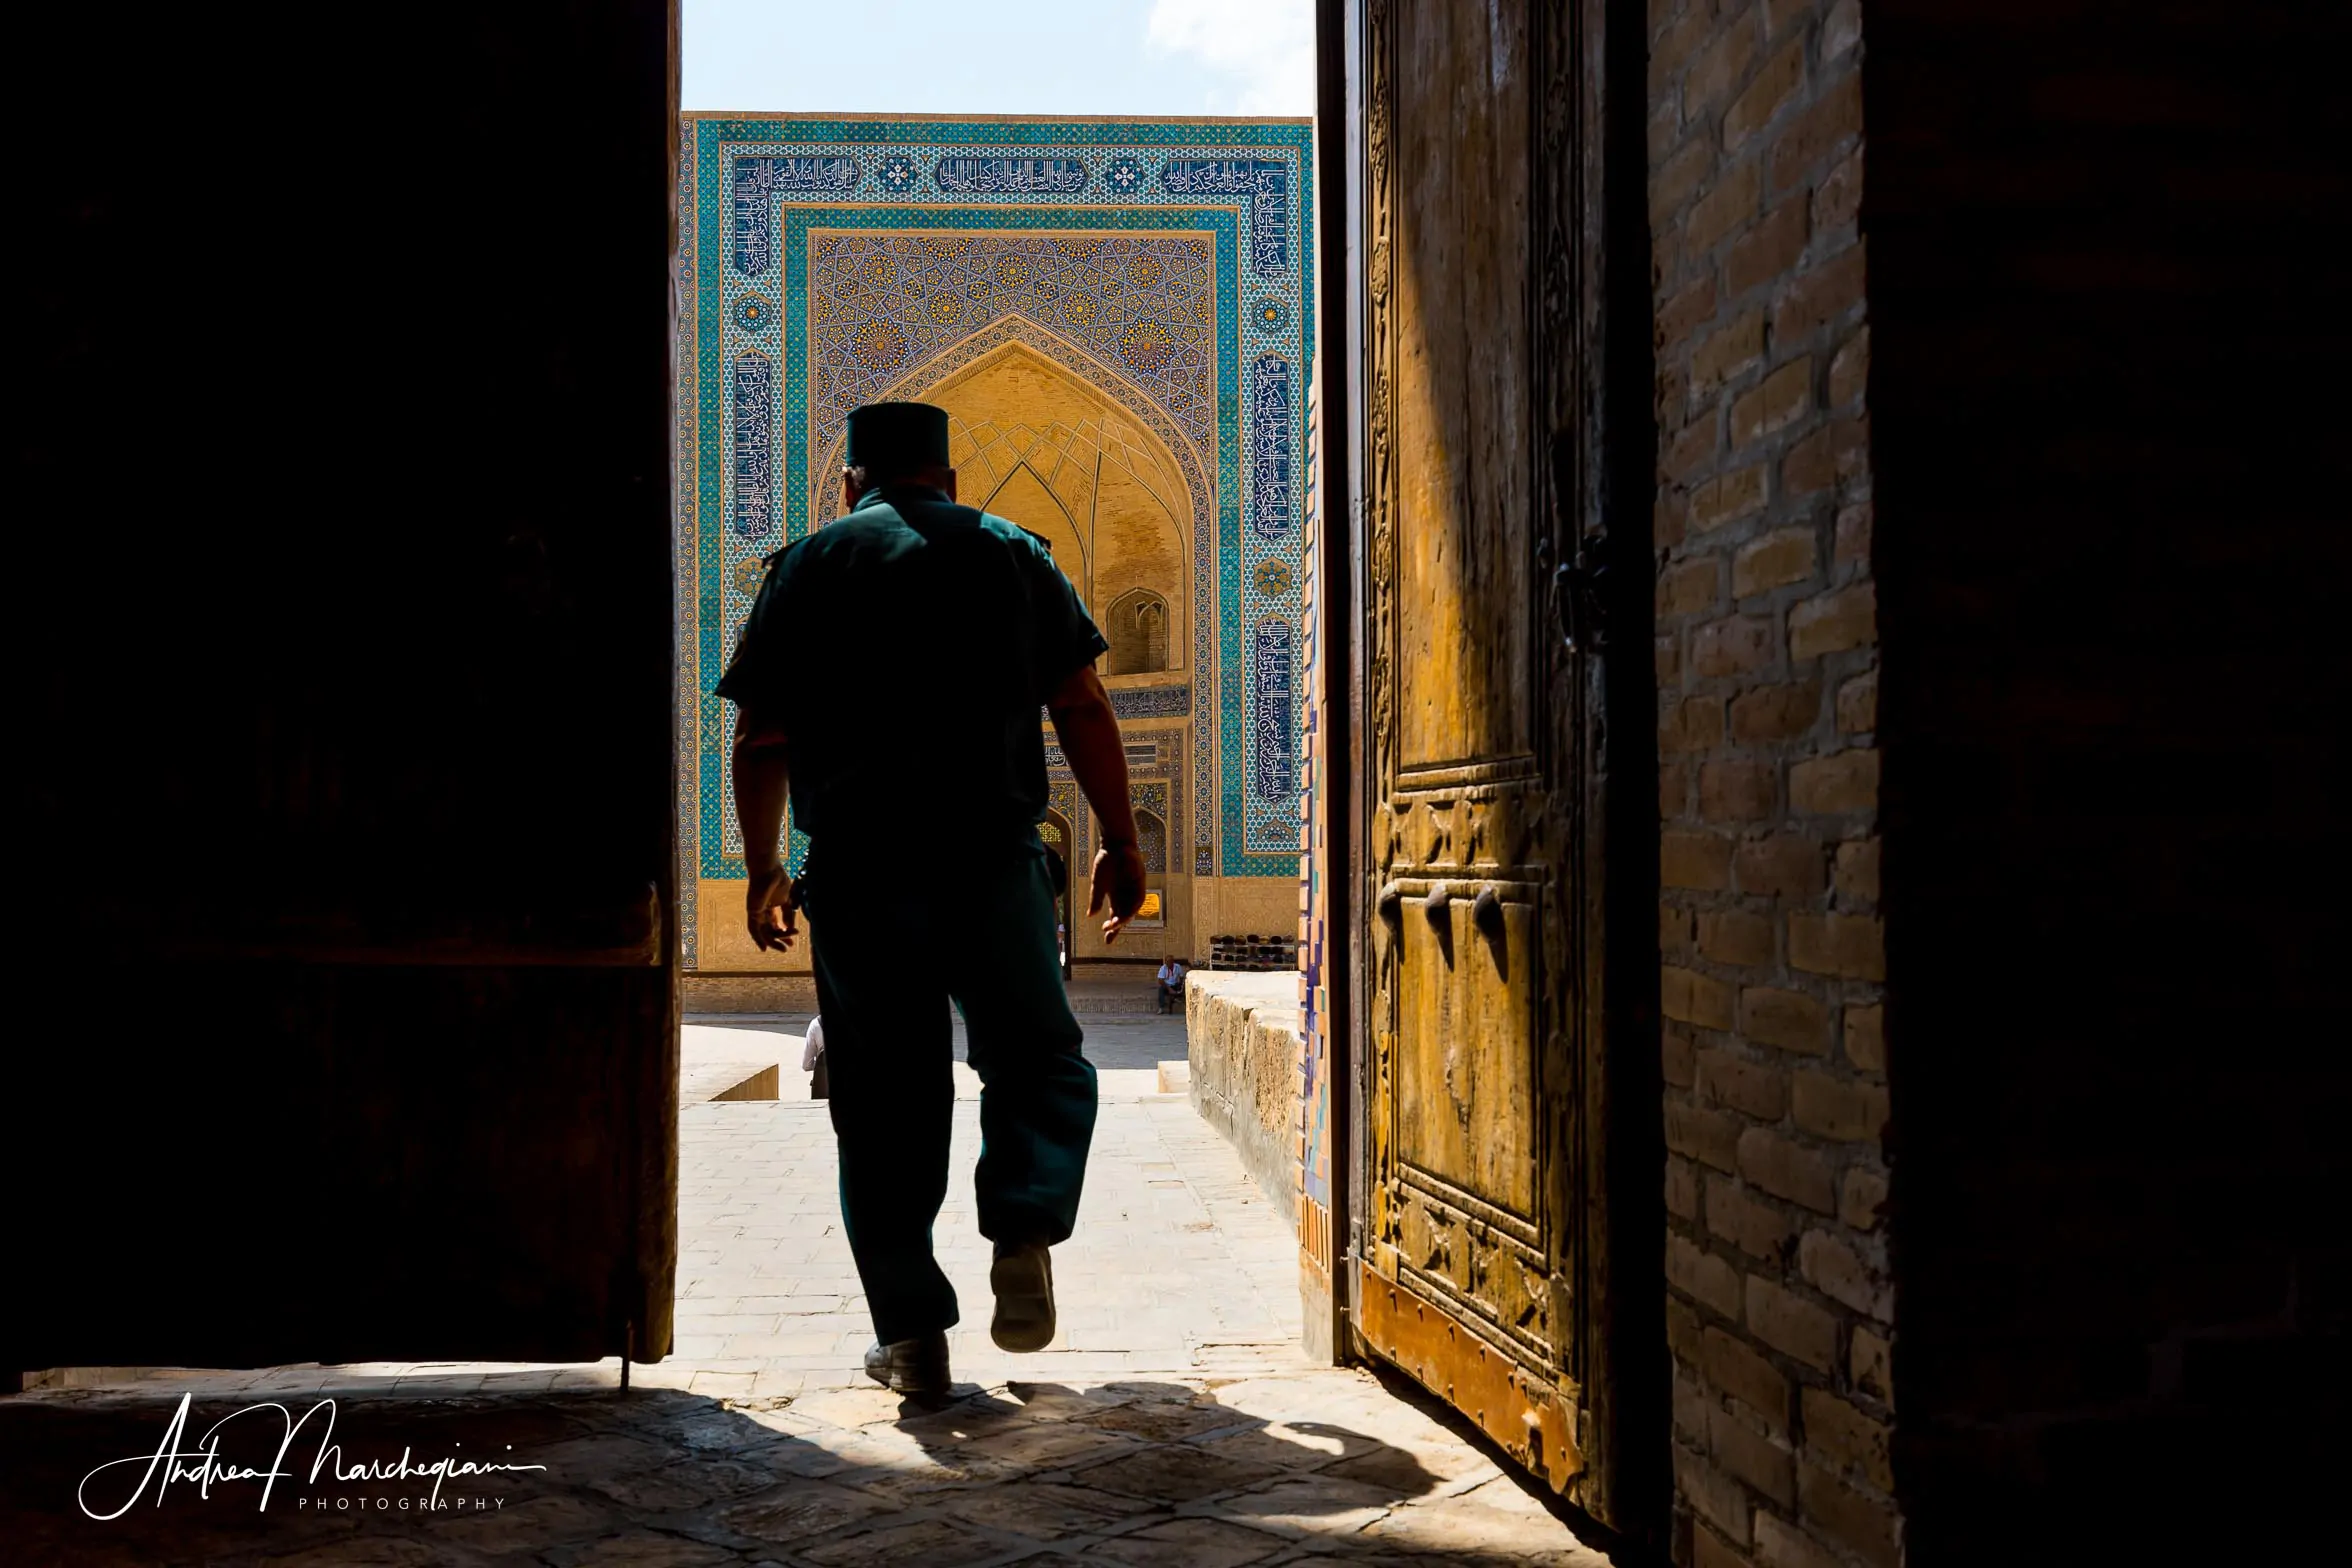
(900, 1384)
(1024, 1301)
(905, 1377)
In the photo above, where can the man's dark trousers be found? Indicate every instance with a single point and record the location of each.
(888, 955)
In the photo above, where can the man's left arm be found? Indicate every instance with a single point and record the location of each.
(1089, 732)
(762, 765)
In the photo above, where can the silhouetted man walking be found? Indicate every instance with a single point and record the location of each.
(889, 678)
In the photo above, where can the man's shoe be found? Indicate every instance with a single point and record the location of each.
(911, 1366)
(1022, 1277)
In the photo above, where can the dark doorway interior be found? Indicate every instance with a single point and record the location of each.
(350, 979)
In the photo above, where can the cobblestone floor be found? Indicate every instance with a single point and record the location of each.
(1171, 1422)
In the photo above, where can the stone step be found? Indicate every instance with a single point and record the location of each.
(1242, 1045)
(786, 1006)
(732, 1081)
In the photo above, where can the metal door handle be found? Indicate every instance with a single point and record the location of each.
(1579, 597)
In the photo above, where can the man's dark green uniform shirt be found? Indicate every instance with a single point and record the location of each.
(905, 648)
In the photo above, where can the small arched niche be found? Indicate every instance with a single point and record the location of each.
(1137, 625)
(1151, 841)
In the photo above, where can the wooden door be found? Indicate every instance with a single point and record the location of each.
(1483, 1265)
(345, 983)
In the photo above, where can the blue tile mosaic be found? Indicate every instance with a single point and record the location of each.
(1151, 702)
(777, 213)
(1009, 176)
(1268, 184)
(1273, 506)
(754, 408)
(1274, 760)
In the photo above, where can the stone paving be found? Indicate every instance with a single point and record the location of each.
(1130, 1040)
(1172, 1421)
(1179, 1264)
(1318, 1467)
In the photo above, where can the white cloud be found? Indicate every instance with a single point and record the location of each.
(1263, 49)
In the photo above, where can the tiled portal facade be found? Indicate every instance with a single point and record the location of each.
(1116, 316)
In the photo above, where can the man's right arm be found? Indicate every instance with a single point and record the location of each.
(1089, 733)
(762, 766)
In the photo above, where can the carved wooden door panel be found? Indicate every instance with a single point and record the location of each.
(1475, 1271)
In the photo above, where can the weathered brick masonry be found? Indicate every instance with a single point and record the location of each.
(2067, 428)
(1780, 1300)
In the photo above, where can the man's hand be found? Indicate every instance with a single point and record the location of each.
(763, 780)
(1118, 882)
(768, 910)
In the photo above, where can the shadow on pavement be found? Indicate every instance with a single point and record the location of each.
(1267, 1470)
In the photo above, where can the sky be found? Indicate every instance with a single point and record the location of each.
(1139, 57)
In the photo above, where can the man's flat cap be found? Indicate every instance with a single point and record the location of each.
(896, 437)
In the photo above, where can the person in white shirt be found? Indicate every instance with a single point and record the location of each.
(1171, 983)
(812, 1061)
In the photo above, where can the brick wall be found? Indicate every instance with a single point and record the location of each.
(1779, 1293)
(2109, 268)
